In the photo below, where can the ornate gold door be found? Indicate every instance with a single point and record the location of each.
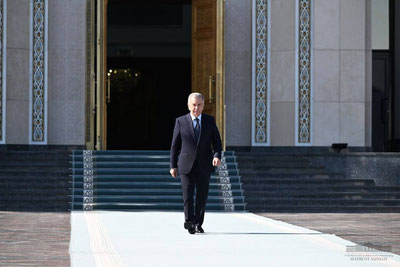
(208, 56)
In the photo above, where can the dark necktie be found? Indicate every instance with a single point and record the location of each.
(197, 129)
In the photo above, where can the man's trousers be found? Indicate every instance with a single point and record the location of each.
(199, 181)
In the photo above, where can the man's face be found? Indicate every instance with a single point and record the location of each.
(196, 106)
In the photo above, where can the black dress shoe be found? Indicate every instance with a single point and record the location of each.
(188, 225)
(192, 231)
(199, 229)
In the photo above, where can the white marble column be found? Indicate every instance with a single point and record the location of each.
(67, 71)
(17, 64)
(282, 72)
(342, 78)
(238, 62)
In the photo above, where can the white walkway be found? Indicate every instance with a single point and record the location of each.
(232, 239)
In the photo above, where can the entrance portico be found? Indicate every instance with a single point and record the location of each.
(287, 73)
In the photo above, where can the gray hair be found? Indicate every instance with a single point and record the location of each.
(196, 95)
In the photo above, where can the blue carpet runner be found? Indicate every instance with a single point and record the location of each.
(140, 180)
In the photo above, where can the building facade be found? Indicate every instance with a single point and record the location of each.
(294, 73)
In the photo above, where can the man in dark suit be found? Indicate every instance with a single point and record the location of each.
(195, 151)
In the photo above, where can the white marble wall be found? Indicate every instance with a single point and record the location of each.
(17, 49)
(66, 74)
(238, 72)
(342, 72)
(341, 79)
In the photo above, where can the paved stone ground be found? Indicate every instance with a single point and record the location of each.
(34, 239)
(381, 229)
(43, 239)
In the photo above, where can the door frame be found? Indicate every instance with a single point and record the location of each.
(101, 70)
(96, 107)
(220, 70)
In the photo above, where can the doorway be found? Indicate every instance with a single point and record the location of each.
(385, 84)
(148, 56)
(149, 71)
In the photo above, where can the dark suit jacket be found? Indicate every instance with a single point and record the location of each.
(184, 150)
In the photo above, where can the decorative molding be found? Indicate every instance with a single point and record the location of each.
(38, 72)
(3, 95)
(88, 180)
(260, 70)
(226, 187)
(304, 72)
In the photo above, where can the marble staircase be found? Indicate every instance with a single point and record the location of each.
(275, 182)
(140, 180)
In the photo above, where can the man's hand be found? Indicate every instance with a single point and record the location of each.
(216, 162)
(173, 172)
